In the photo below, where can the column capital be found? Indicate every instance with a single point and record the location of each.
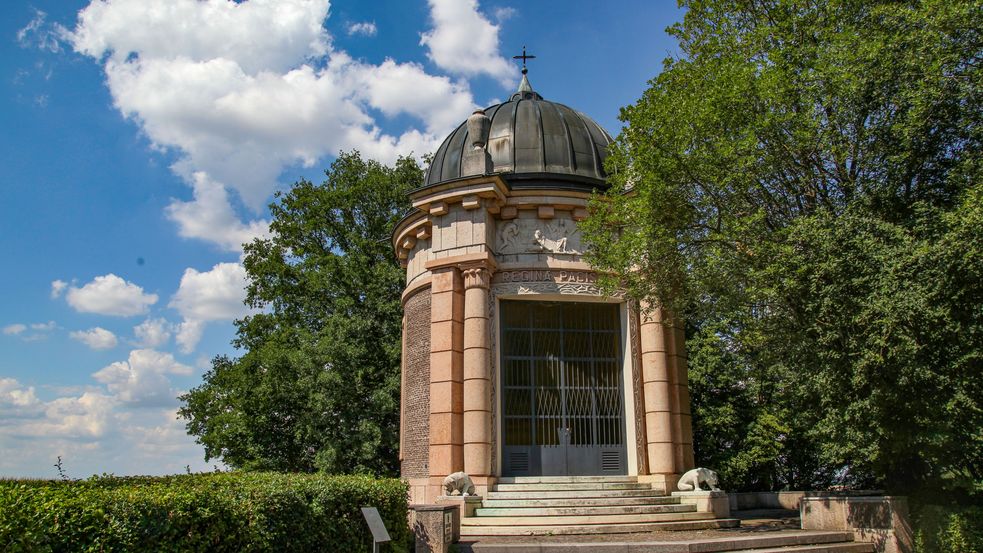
(476, 276)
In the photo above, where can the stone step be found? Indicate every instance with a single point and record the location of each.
(584, 510)
(573, 529)
(558, 486)
(772, 542)
(581, 502)
(572, 494)
(583, 520)
(784, 542)
(563, 479)
(819, 548)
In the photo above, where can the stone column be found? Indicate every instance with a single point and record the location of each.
(446, 376)
(669, 324)
(477, 377)
(684, 441)
(657, 391)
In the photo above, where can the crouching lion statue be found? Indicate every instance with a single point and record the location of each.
(693, 480)
(458, 482)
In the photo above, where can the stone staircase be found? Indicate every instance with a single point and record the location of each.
(617, 514)
(582, 505)
(790, 542)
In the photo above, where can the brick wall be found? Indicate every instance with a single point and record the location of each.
(416, 412)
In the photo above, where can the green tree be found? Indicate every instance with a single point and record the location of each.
(803, 183)
(318, 385)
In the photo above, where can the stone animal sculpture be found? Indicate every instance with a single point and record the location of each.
(693, 480)
(458, 482)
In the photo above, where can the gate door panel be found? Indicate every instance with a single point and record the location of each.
(562, 397)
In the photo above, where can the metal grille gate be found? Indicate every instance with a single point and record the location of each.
(562, 398)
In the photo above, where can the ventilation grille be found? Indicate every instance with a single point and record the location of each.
(519, 461)
(611, 461)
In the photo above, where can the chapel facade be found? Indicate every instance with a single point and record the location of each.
(514, 361)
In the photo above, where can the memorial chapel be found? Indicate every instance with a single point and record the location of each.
(514, 361)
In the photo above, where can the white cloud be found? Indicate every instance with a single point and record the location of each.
(142, 378)
(14, 329)
(464, 42)
(214, 295)
(40, 330)
(503, 13)
(210, 216)
(57, 288)
(24, 415)
(153, 333)
(188, 335)
(161, 435)
(94, 432)
(365, 28)
(96, 338)
(110, 295)
(17, 401)
(243, 90)
(395, 88)
(84, 416)
(37, 33)
(258, 35)
(102, 435)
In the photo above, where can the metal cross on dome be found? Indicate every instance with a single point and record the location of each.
(523, 57)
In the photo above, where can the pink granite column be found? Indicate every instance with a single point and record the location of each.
(446, 374)
(477, 375)
(683, 423)
(657, 391)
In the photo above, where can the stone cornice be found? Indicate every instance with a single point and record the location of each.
(483, 186)
(466, 261)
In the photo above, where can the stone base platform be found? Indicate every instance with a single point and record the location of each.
(743, 540)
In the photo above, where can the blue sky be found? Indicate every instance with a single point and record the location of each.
(142, 141)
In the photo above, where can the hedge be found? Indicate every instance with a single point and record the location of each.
(200, 512)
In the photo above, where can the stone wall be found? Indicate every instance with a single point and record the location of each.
(416, 367)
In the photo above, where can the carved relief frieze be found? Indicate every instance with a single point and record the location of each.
(546, 281)
(554, 288)
(527, 235)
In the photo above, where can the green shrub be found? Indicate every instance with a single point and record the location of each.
(949, 530)
(202, 512)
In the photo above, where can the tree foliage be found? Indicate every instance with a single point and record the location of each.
(318, 385)
(803, 182)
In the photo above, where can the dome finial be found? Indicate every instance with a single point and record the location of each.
(524, 86)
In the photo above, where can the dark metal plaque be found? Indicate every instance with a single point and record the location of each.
(376, 525)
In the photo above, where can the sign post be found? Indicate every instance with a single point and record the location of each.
(377, 526)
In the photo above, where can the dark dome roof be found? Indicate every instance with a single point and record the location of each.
(533, 143)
